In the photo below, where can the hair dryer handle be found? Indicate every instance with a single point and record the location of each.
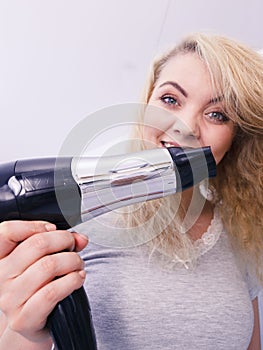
(71, 325)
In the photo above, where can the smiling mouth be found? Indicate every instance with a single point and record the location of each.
(168, 144)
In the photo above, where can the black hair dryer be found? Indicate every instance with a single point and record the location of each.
(69, 191)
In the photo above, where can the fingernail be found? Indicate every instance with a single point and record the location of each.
(50, 227)
(83, 236)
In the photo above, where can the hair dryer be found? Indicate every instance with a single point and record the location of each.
(70, 190)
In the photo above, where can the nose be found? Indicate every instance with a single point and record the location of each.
(187, 125)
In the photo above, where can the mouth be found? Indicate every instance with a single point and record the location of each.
(168, 144)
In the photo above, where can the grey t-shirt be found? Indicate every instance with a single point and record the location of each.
(137, 304)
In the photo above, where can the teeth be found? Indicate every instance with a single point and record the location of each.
(167, 144)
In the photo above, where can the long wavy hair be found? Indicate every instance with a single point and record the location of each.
(236, 73)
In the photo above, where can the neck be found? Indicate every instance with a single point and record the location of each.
(197, 212)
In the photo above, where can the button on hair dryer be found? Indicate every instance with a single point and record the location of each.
(69, 190)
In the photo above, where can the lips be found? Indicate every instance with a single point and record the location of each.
(168, 144)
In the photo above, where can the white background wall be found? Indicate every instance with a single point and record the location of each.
(61, 60)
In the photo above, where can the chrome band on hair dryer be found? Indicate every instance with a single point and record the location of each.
(112, 182)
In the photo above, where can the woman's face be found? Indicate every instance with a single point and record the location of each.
(189, 115)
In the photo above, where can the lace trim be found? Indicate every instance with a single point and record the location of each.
(211, 236)
(206, 242)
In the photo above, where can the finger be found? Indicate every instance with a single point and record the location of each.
(34, 248)
(80, 241)
(16, 231)
(41, 273)
(33, 316)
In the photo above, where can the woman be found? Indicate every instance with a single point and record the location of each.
(195, 284)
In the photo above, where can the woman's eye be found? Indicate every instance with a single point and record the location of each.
(217, 117)
(169, 100)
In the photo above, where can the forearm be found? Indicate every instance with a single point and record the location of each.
(14, 341)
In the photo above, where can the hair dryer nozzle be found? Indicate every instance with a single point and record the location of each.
(192, 165)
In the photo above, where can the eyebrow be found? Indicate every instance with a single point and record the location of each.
(182, 90)
(176, 86)
(216, 100)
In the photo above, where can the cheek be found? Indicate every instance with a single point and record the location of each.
(153, 117)
(150, 136)
(152, 128)
(220, 147)
(156, 120)
(220, 138)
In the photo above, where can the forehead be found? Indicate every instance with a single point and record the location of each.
(184, 65)
(193, 76)
(190, 72)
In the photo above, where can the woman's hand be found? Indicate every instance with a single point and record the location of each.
(32, 255)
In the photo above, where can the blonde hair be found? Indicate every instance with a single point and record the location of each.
(236, 74)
